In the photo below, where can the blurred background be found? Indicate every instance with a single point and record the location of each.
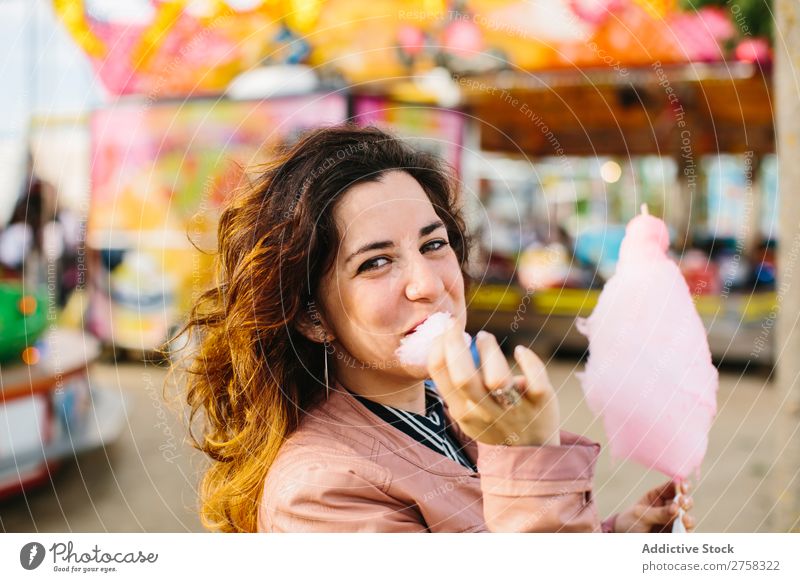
(127, 123)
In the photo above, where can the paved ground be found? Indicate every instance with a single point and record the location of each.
(146, 481)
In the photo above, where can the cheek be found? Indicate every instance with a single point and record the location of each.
(369, 307)
(454, 281)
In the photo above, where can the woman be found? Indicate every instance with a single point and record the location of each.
(347, 242)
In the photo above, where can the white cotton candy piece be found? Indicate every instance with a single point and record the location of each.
(415, 347)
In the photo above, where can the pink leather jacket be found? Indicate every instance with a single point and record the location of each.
(346, 470)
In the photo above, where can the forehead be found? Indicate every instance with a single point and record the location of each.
(386, 210)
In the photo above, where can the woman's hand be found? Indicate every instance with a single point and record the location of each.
(655, 512)
(534, 420)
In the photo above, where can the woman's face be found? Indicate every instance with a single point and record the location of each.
(394, 268)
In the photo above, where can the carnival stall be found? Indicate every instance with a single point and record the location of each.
(644, 99)
(160, 172)
(694, 142)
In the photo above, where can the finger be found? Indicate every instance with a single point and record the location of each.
(456, 399)
(661, 494)
(658, 515)
(688, 522)
(686, 502)
(436, 359)
(538, 383)
(437, 368)
(461, 368)
(494, 367)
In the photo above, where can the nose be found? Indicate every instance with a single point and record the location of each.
(424, 281)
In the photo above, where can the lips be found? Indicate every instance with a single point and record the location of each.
(416, 325)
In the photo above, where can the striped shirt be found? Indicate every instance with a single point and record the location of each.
(429, 429)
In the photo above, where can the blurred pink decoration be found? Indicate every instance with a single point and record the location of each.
(184, 54)
(701, 34)
(701, 274)
(175, 52)
(115, 68)
(649, 373)
(754, 50)
(463, 38)
(594, 11)
(411, 39)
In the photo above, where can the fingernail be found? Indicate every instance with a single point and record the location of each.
(518, 350)
(482, 335)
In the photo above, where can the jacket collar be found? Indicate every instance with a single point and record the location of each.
(345, 408)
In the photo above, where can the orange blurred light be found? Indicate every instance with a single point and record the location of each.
(30, 356)
(27, 305)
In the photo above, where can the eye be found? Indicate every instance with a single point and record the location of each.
(434, 245)
(371, 264)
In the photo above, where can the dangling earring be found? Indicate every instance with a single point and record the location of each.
(327, 387)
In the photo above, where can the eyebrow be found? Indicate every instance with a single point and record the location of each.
(386, 244)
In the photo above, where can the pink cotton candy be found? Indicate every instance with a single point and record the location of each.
(649, 373)
(415, 347)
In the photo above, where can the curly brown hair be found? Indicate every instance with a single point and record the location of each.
(254, 375)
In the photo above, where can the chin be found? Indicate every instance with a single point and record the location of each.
(418, 372)
(415, 372)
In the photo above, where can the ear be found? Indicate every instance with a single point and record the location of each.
(310, 324)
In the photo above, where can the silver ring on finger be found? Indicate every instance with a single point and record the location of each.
(508, 396)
